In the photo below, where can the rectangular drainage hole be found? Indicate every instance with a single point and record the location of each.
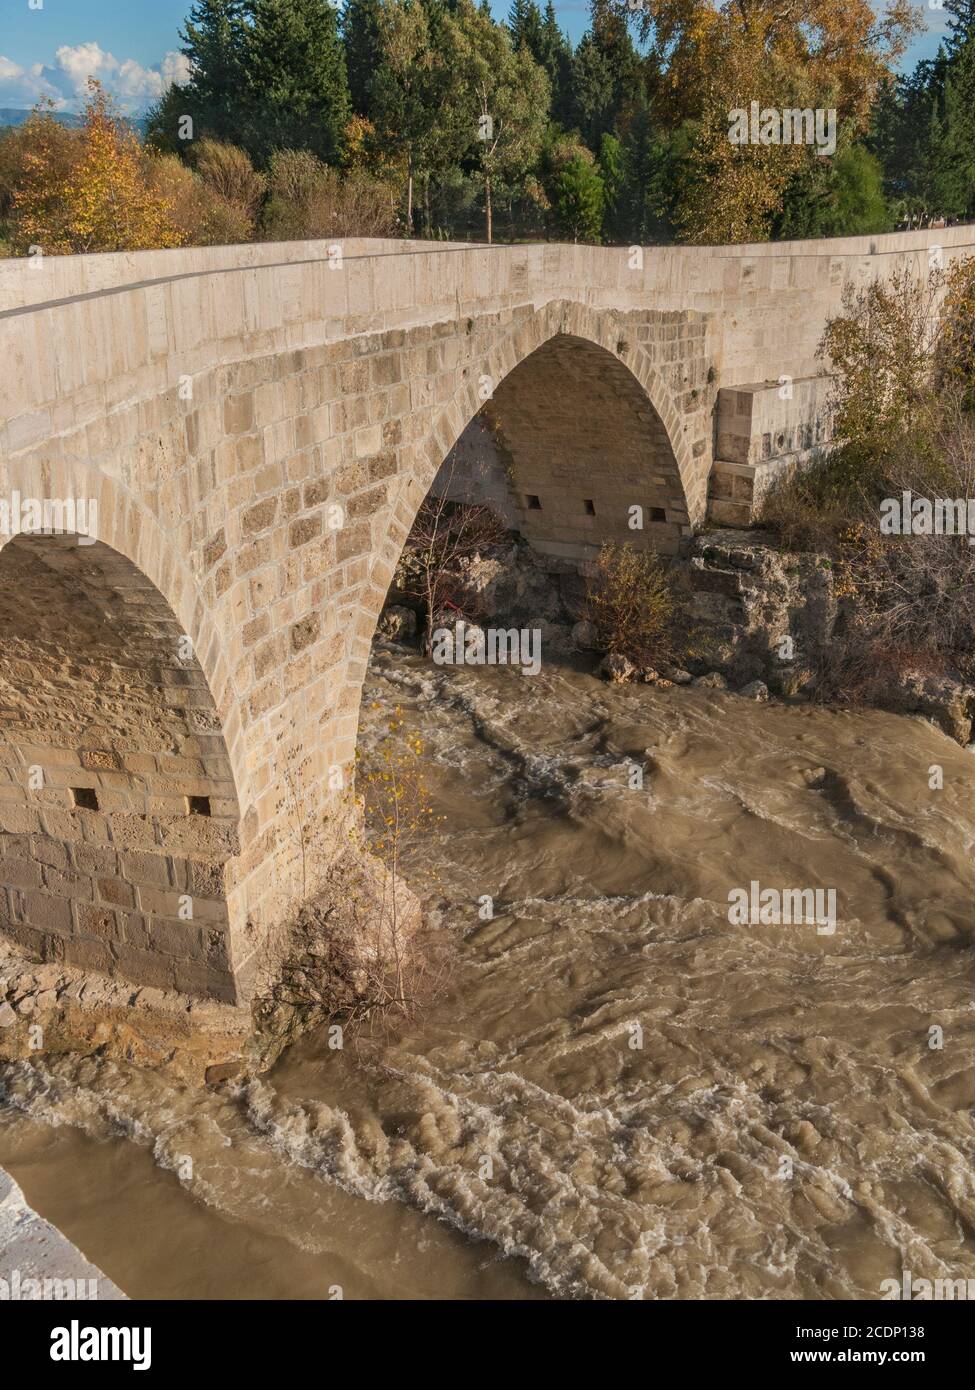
(590, 507)
(86, 798)
(199, 805)
(658, 514)
(533, 503)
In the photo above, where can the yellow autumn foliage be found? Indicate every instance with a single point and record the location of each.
(102, 200)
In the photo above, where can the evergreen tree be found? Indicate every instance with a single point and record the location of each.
(579, 200)
(593, 91)
(842, 196)
(550, 49)
(610, 163)
(961, 23)
(213, 41)
(606, 75)
(642, 211)
(951, 152)
(554, 56)
(296, 90)
(525, 25)
(363, 49)
(900, 132)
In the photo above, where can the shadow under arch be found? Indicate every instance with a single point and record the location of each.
(118, 806)
(568, 381)
(589, 458)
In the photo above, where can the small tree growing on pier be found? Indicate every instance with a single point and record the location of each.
(445, 533)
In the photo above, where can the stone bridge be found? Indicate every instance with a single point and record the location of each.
(246, 434)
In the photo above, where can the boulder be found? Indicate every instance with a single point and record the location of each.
(948, 703)
(714, 680)
(397, 624)
(616, 668)
(676, 675)
(509, 589)
(584, 636)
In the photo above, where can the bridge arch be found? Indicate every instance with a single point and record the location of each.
(222, 497)
(590, 427)
(223, 403)
(584, 381)
(118, 805)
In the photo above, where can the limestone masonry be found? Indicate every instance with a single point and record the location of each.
(257, 426)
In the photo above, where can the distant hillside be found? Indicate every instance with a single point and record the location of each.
(16, 115)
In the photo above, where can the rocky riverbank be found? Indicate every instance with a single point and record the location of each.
(761, 622)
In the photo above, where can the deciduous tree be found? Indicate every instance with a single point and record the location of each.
(100, 200)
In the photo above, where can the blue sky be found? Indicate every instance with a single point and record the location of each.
(52, 46)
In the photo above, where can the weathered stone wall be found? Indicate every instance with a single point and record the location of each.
(260, 427)
(763, 432)
(586, 445)
(118, 812)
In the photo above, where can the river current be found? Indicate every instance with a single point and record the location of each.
(619, 1093)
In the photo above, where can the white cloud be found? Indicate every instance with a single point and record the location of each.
(175, 67)
(65, 82)
(25, 86)
(83, 61)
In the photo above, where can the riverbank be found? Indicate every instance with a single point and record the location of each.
(759, 620)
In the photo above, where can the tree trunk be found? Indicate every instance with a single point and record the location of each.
(487, 207)
(409, 197)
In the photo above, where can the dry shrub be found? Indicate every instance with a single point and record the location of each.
(904, 360)
(633, 605)
(922, 588)
(184, 192)
(361, 950)
(205, 216)
(233, 189)
(908, 602)
(399, 820)
(445, 534)
(308, 200)
(813, 507)
(881, 349)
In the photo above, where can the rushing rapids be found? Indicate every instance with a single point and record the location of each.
(621, 1092)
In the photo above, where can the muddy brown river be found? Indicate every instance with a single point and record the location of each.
(620, 1093)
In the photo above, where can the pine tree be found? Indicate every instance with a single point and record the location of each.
(961, 23)
(548, 46)
(606, 74)
(363, 49)
(579, 200)
(951, 150)
(213, 38)
(296, 89)
(642, 211)
(525, 24)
